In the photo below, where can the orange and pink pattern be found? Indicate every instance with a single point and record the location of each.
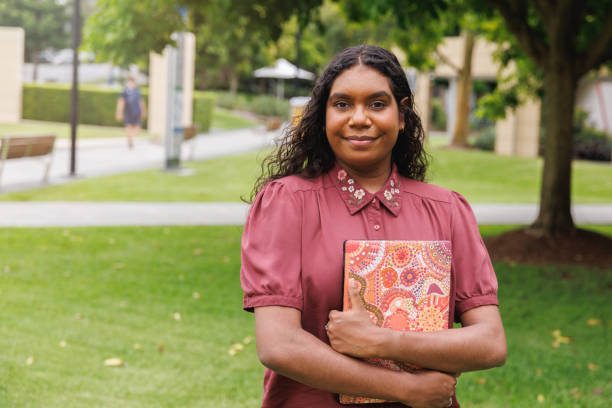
(404, 285)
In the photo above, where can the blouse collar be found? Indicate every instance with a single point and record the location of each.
(356, 197)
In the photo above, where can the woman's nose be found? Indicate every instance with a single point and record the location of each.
(359, 117)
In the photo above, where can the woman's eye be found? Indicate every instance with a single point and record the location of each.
(378, 104)
(341, 105)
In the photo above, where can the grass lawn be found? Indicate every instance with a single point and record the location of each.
(225, 119)
(167, 302)
(481, 176)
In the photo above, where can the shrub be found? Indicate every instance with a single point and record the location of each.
(438, 114)
(267, 105)
(96, 106)
(485, 140)
(233, 102)
(203, 106)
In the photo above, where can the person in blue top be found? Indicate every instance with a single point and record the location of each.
(131, 110)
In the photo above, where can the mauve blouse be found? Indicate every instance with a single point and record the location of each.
(292, 251)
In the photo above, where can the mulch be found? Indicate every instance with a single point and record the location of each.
(526, 246)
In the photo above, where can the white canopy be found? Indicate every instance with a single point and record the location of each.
(283, 69)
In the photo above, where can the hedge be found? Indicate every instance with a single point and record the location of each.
(96, 106)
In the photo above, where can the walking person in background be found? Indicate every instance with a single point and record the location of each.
(131, 110)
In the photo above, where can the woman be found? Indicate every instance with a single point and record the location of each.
(353, 169)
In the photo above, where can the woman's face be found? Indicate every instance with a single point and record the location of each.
(362, 120)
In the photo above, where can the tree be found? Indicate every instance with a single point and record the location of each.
(565, 40)
(44, 22)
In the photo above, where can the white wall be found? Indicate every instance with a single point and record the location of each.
(12, 40)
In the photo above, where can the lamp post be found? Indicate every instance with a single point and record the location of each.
(74, 109)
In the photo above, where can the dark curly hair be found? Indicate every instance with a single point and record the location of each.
(304, 149)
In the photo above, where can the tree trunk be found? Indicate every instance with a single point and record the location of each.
(464, 91)
(560, 85)
(233, 81)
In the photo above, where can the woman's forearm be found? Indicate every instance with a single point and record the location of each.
(295, 353)
(479, 344)
(458, 350)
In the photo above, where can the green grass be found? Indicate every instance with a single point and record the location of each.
(225, 119)
(223, 179)
(481, 176)
(103, 290)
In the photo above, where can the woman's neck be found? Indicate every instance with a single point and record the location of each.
(371, 179)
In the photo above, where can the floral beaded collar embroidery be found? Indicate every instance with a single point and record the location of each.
(357, 197)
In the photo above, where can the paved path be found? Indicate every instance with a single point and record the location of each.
(85, 214)
(98, 157)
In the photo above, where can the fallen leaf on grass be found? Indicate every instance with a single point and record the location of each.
(137, 346)
(118, 265)
(559, 339)
(236, 347)
(63, 343)
(161, 348)
(593, 322)
(576, 393)
(197, 251)
(597, 391)
(481, 381)
(247, 340)
(226, 259)
(30, 360)
(195, 295)
(539, 372)
(177, 316)
(114, 362)
(78, 316)
(592, 366)
(541, 398)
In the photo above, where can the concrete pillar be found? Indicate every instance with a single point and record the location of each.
(12, 41)
(451, 107)
(422, 99)
(518, 134)
(158, 90)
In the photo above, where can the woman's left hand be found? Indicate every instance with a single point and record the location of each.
(352, 332)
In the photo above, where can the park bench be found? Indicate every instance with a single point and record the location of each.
(189, 135)
(16, 147)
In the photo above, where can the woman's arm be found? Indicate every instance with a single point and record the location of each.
(283, 346)
(119, 110)
(478, 345)
(143, 108)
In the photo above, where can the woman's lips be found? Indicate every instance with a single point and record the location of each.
(361, 140)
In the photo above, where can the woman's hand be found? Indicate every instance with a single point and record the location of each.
(352, 332)
(435, 390)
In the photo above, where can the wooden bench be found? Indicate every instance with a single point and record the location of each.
(16, 147)
(189, 134)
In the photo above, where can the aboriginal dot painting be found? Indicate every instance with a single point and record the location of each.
(404, 285)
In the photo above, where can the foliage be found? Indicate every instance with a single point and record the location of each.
(96, 106)
(45, 23)
(74, 297)
(485, 139)
(267, 105)
(238, 101)
(438, 114)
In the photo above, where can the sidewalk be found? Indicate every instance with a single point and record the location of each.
(99, 157)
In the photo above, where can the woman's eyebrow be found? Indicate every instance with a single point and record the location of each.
(339, 95)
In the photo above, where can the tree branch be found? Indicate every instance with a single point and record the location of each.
(544, 10)
(515, 16)
(599, 50)
(447, 61)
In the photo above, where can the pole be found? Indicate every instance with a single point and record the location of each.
(74, 111)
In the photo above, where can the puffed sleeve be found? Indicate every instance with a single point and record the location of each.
(475, 281)
(271, 250)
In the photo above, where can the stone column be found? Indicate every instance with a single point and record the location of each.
(518, 133)
(12, 40)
